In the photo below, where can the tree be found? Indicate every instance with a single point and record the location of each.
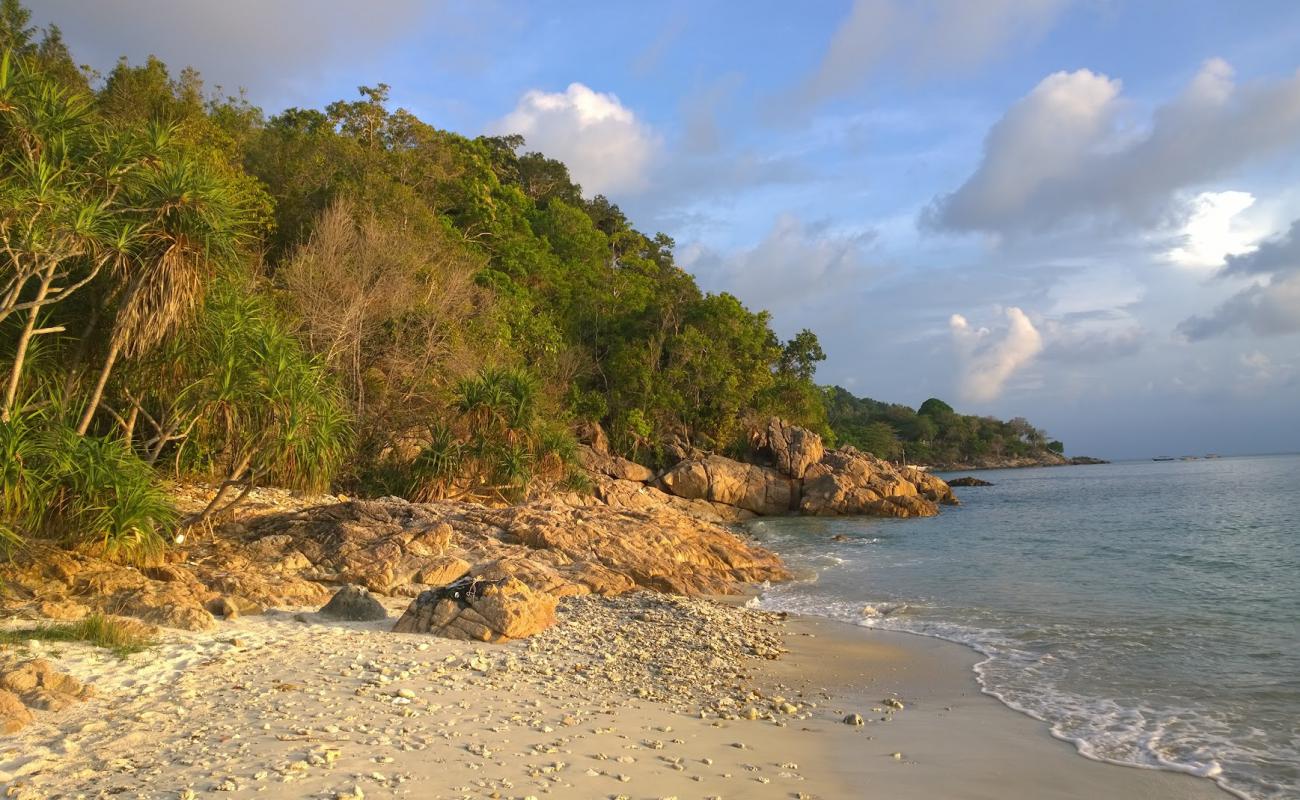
(186, 221)
(801, 355)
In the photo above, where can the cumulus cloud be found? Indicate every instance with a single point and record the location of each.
(793, 264)
(1271, 305)
(605, 146)
(988, 360)
(925, 35)
(1062, 152)
(265, 47)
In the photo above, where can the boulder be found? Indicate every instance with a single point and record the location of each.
(356, 604)
(593, 436)
(480, 610)
(969, 480)
(613, 466)
(754, 488)
(14, 716)
(789, 448)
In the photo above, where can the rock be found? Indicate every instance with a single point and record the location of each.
(854, 719)
(969, 480)
(442, 571)
(791, 449)
(40, 686)
(640, 497)
(487, 611)
(847, 481)
(223, 607)
(14, 716)
(354, 603)
(755, 488)
(67, 610)
(593, 435)
(613, 466)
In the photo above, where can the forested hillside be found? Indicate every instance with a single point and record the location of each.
(344, 297)
(933, 434)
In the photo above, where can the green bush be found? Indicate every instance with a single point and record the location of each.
(89, 492)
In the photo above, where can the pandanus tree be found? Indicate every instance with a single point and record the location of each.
(58, 179)
(237, 398)
(186, 221)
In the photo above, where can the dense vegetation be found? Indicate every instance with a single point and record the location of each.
(346, 297)
(933, 434)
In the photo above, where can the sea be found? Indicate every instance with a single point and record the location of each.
(1148, 611)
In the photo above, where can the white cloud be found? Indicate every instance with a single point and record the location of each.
(1061, 154)
(605, 146)
(1214, 230)
(926, 36)
(793, 264)
(1271, 305)
(987, 360)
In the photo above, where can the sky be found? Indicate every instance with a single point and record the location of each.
(1085, 212)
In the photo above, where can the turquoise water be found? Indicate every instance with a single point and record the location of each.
(1148, 611)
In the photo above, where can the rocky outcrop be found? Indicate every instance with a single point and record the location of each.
(969, 480)
(791, 449)
(613, 466)
(798, 475)
(14, 716)
(355, 604)
(480, 610)
(751, 487)
(848, 481)
(631, 496)
(393, 547)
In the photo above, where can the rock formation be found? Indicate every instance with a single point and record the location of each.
(480, 610)
(393, 547)
(792, 472)
(969, 480)
(34, 685)
(354, 603)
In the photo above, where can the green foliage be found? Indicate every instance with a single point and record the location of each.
(122, 639)
(936, 434)
(89, 492)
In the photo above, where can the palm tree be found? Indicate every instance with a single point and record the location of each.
(188, 221)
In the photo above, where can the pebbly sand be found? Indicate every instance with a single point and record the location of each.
(640, 696)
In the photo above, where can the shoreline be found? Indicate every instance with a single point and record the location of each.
(639, 696)
(955, 739)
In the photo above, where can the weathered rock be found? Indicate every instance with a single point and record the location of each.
(613, 466)
(593, 435)
(847, 481)
(354, 603)
(720, 480)
(640, 497)
(791, 449)
(969, 480)
(443, 570)
(14, 716)
(487, 611)
(40, 686)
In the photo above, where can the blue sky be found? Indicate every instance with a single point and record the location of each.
(1078, 212)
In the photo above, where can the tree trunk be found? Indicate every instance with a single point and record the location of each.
(20, 354)
(98, 394)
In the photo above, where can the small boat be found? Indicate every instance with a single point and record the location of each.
(1164, 458)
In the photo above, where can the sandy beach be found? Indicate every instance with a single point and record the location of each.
(643, 696)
